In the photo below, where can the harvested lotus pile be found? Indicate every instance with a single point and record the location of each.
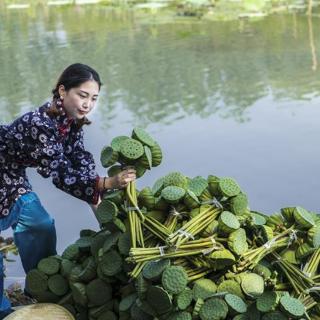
(185, 248)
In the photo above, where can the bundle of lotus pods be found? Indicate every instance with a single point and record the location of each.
(186, 248)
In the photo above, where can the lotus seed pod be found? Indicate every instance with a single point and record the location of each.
(199, 303)
(228, 222)
(211, 229)
(274, 315)
(87, 233)
(138, 314)
(143, 137)
(140, 170)
(228, 187)
(106, 211)
(117, 141)
(89, 271)
(203, 289)
(252, 285)
(46, 296)
(110, 241)
(119, 224)
(303, 218)
(127, 302)
(290, 256)
(108, 156)
(84, 244)
(236, 304)
(98, 292)
(288, 213)
(213, 309)
(141, 285)
(184, 299)
(114, 170)
(292, 307)
(79, 293)
(124, 244)
(239, 203)
(191, 200)
(161, 204)
(146, 159)
(174, 279)
(266, 233)
(314, 236)
(258, 219)
(172, 194)
(159, 300)
(97, 243)
(213, 185)
(205, 196)
(58, 285)
(175, 179)
(36, 281)
(158, 186)
(304, 251)
(110, 263)
(181, 315)
(268, 301)
(49, 265)
(197, 185)
(157, 215)
(156, 153)
(66, 267)
(108, 315)
(154, 269)
(262, 271)
(237, 241)
(221, 259)
(275, 221)
(116, 197)
(131, 150)
(75, 273)
(146, 198)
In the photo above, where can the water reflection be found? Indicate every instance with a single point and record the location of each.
(158, 72)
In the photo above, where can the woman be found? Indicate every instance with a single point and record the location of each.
(50, 139)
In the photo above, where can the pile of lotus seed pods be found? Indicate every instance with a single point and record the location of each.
(185, 248)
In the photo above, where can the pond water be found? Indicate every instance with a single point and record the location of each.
(237, 99)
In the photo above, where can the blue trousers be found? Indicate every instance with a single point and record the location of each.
(34, 234)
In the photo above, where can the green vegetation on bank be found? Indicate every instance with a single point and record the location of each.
(220, 10)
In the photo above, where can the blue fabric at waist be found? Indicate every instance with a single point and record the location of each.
(15, 210)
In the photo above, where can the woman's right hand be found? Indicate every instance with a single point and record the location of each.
(121, 180)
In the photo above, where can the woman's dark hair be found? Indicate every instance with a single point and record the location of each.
(72, 77)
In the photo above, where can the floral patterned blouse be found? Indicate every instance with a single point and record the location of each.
(54, 146)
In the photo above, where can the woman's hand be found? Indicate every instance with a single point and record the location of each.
(119, 181)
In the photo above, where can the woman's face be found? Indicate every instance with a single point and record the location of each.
(79, 101)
